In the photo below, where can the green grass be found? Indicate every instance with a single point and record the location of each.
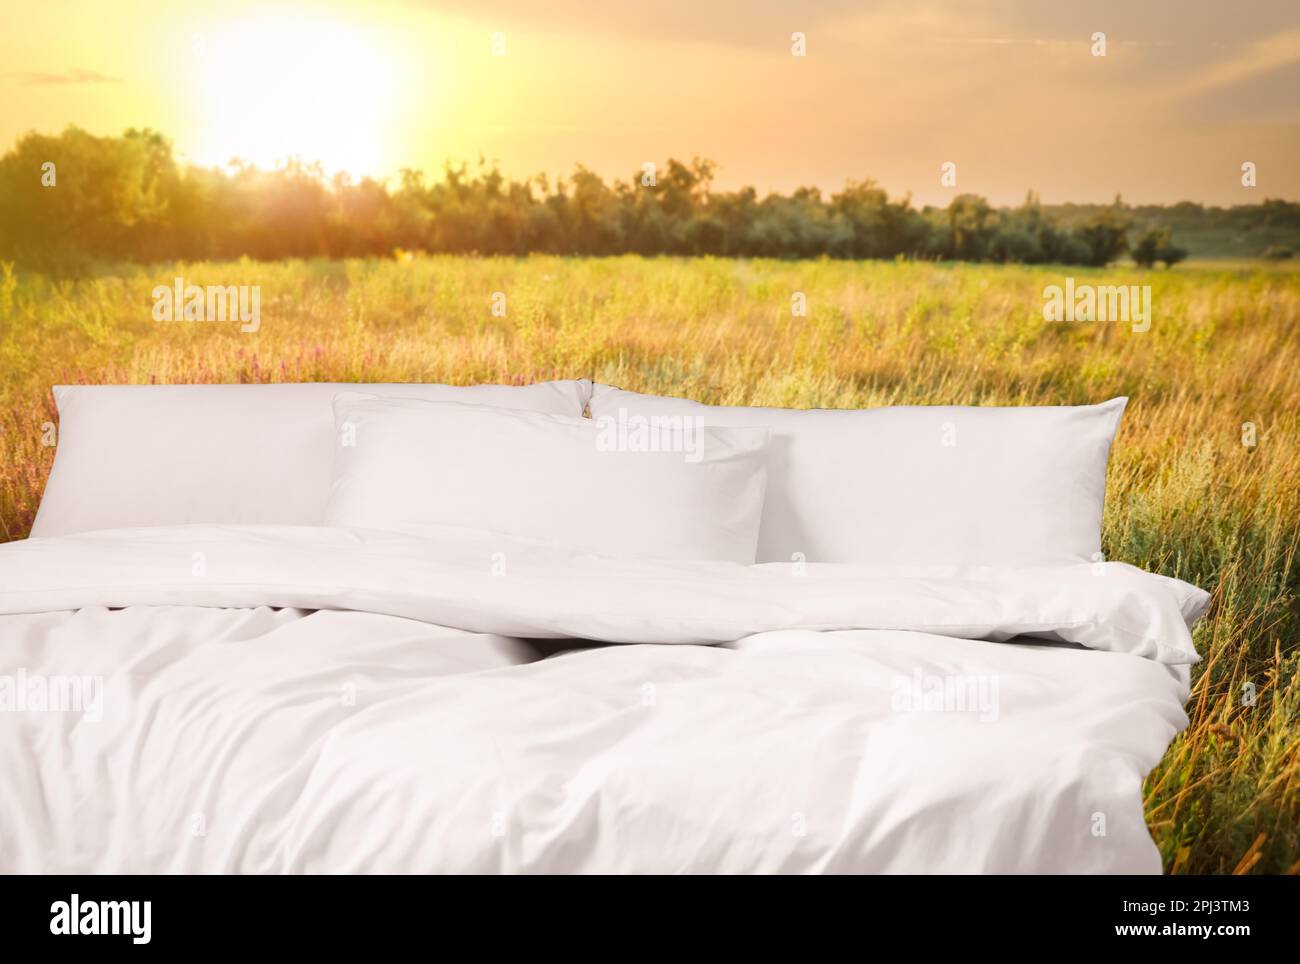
(1186, 497)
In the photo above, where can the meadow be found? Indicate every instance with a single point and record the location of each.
(1204, 479)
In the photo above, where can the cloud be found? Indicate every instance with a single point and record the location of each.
(1263, 57)
(743, 23)
(77, 75)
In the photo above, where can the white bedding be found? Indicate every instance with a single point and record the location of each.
(390, 720)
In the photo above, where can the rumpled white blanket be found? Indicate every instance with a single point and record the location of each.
(280, 699)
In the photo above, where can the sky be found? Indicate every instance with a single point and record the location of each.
(1009, 91)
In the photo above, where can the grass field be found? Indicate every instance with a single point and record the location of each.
(1186, 496)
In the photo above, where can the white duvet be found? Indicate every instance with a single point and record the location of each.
(290, 699)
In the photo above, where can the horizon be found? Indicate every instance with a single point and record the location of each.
(1010, 93)
(475, 166)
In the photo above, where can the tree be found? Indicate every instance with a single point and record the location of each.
(1171, 254)
(1104, 236)
(1156, 245)
(126, 199)
(970, 223)
(1146, 251)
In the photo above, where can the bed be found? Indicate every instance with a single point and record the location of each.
(309, 699)
(428, 629)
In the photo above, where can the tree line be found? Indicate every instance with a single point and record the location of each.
(70, 200)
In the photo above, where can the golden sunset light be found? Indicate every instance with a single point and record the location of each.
(270, 88)
(887, 90)
(647, 438)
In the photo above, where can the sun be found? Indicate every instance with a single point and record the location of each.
(275, 88)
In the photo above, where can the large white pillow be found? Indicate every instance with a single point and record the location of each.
(920, 485)
(405, 464)
(148, 455)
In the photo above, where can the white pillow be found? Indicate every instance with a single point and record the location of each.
(148, 455)
(921, 485)
(405, 464)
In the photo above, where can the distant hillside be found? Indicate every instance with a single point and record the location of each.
(1241, 231)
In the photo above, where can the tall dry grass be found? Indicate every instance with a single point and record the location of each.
(1186, 497)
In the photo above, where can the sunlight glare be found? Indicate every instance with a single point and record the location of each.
(275, 89)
